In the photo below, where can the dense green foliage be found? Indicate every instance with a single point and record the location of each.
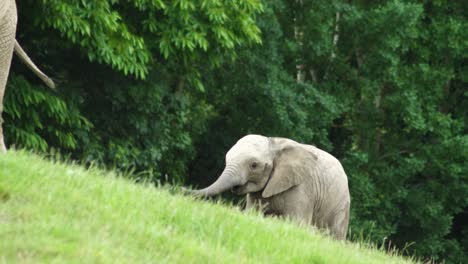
(166, 87)
(41, 118)
(112, 218)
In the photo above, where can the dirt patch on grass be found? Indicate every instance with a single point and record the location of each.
(4, 195)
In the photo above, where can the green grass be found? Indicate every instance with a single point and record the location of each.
(62, 213)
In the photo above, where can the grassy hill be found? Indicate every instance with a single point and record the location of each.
(52, 212)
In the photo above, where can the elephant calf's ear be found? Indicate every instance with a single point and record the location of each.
(291, 166)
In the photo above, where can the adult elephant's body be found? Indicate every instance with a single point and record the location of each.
(286, 178)
(8, 44)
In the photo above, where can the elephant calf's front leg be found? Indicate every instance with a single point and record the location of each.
(261, 205)
(254, 203)
(284, 206)
(293, 206)
(300, 217)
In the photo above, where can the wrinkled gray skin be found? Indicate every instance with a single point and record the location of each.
(8, 44)
(285, 178)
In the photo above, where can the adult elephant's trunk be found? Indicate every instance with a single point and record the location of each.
(228, 179)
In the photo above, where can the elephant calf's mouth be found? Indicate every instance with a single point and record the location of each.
(238, 188)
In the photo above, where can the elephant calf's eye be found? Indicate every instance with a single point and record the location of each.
(253, 165)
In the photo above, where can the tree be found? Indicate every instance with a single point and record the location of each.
(381, 87)
(155, 111)
(166, 87)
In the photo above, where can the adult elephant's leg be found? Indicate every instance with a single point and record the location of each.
(7, 42)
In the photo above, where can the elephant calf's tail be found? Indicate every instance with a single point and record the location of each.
(25, 58)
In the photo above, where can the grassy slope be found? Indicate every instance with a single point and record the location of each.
(64, 213)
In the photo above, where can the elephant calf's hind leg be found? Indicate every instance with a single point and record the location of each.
(339, 225)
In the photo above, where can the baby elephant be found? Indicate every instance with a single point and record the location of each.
(286, 178)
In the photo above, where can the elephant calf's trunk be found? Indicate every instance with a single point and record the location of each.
(226, 181)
